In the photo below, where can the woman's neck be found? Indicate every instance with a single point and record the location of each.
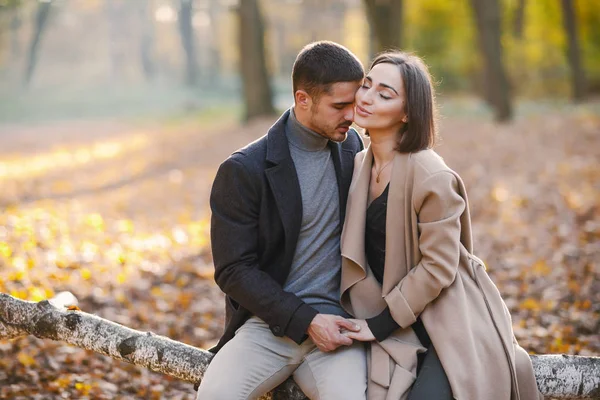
(383, 145)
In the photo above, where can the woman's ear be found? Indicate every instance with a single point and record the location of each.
(405, 119)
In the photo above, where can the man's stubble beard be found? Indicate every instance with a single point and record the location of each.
(334, 136)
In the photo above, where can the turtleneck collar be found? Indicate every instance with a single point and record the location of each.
(301, 137)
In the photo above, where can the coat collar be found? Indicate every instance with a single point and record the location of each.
(283, 178)
(356, 270)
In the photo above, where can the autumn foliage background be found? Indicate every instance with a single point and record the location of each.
(105, 171)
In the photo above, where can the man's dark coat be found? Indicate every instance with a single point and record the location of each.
(256, 216)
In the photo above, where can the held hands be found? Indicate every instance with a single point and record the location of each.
(363, 334)
(325, 330)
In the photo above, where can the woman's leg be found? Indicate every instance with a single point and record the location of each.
(432, 382)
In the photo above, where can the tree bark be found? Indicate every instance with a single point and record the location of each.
(385, 20)
(188, 41)
(15, 35)
(146, 39)
(258, 97)
(214, 65)
(519, 19)
(496, 87)
(41, 21)
(573, 50)
(558, 376)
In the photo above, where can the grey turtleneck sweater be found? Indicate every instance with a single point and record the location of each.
(315, 271)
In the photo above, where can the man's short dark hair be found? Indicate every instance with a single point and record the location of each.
(321, 64)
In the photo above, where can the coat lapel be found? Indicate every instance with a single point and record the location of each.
(283, 181)
(356, 274)
(343, 161)
(398, 261)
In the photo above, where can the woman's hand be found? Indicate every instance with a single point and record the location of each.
(363, 335)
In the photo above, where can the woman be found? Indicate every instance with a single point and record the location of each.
(408, 273)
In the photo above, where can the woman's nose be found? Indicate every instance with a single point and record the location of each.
(366, 97)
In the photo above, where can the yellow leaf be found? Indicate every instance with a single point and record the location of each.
(84, 388)
(530, 304)
(25, 359)
(5, 250)
(541, 268)
(95, 221)
(16, 276)
(121, 278)
(125, 226)
(37, 294)
(63, 382)
(85, 273)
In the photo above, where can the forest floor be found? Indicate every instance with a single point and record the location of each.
(117, 214)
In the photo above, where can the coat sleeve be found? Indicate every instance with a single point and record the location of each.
(234, 203)
(439, 206)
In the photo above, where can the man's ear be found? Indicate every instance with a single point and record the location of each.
(302, 99)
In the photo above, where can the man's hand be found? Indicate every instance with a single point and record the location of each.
(324, 330)
(364, 334)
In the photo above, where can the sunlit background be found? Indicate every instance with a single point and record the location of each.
(114, 115)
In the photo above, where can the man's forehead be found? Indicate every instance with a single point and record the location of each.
(342, 92)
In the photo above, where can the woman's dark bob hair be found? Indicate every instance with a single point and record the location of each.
(419, 133)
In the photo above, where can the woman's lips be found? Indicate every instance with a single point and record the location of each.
(362, 112)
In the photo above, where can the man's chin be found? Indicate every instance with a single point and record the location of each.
(338, 136)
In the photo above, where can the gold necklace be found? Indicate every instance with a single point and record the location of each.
(381, 170)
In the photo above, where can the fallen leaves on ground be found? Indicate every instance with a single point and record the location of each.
(120, 219)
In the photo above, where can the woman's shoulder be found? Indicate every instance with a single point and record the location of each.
(428, 162)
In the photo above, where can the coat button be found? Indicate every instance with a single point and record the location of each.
(276, 329)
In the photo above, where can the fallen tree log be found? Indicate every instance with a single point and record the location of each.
(558, 376)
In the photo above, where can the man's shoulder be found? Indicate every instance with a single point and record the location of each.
(251, 156)
(353, 141)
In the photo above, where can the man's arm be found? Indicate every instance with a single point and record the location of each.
(234, 201)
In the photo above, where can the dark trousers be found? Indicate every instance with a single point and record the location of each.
(432, 382)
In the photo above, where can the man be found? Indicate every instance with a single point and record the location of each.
(277, 211)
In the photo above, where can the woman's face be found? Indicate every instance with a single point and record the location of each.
(380, 101)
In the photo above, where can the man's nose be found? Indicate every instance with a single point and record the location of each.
(349, 115)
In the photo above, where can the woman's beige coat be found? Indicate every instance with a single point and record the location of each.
(430, 271)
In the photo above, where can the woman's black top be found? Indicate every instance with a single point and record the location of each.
(383, 324)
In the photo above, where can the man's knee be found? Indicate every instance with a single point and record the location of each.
(215, 390)
(338, 375)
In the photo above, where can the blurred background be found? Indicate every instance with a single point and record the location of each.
(115, 114)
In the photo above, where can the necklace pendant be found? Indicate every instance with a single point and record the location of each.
(377, 179)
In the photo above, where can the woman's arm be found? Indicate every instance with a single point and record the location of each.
(438, 205)
(376, 328)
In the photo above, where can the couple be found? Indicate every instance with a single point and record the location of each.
(349, 269)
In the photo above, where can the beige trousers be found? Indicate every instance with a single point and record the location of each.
(255, 361)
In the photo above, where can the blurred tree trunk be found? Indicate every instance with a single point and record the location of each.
(186, 30)
(519, 20)
(147, 39)
(257, 89)
(385, 20)
(214, 55)
(15, 35)
(41, 21)
(497, 91)
(115, 15)
(573, 51)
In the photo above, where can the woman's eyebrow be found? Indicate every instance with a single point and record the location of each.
(383, 84)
